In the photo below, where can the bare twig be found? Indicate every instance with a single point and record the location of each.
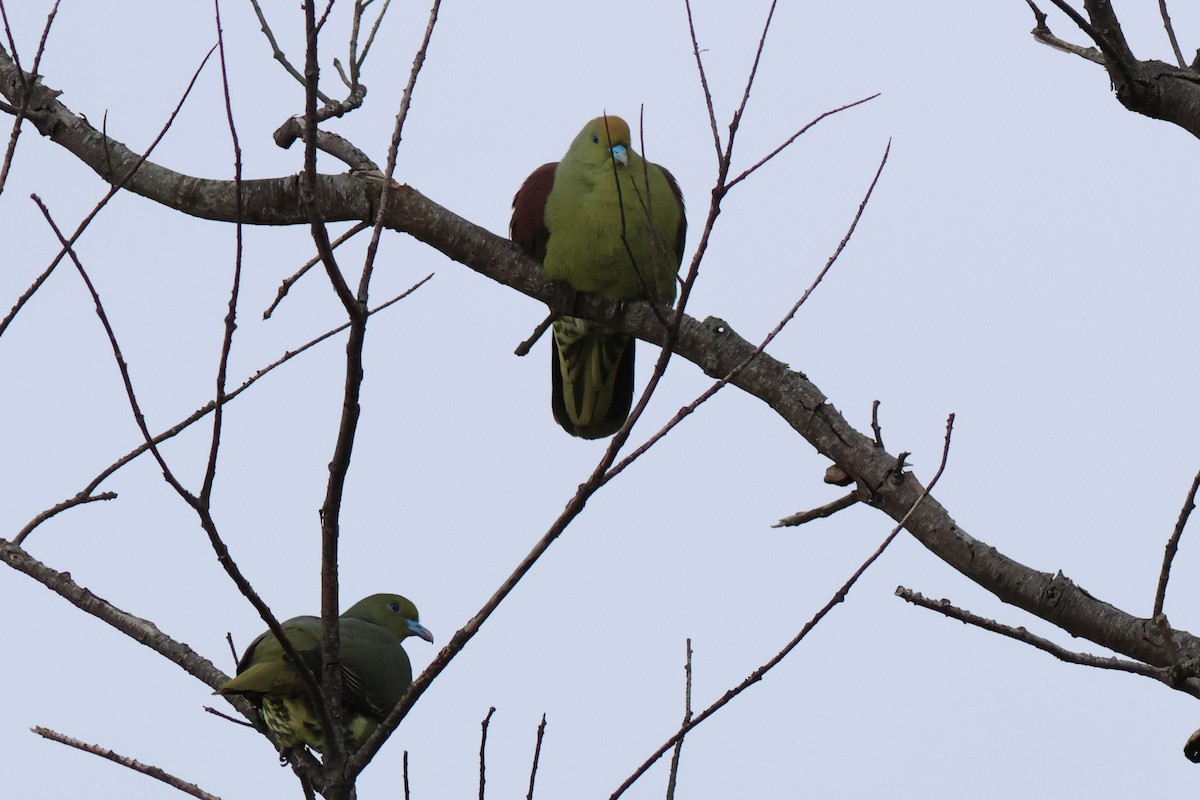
(794, 137)
(330, 706)
(279, 54)
(287, 133)
(708, 101)
(195, 416)
(827, 510)
(464, 634)
(138, 416)
(227, 717)
(210, 472)
(1110, 48)
(1041, 32)
(206, 521)
(732, 374)
(19, 111)
(394, 146)
(232, 650)
(356, 63)
(673, 774)
(142, 631)
(407, 795)
(944, 607)
(1189, 505)
(524, 347)
(12, 47)
(125, 761)
(875, 429)
(741, 109)
(287, 283)
(80, 498)
(537, 754)
(116, 186)
(483, 749)
(837, 598)
(1162, 8)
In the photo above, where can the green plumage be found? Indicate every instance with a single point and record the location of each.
(607, 222)
(375, 671)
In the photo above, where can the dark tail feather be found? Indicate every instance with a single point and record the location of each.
(591, 378)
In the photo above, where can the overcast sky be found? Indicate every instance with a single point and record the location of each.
(1027, 262)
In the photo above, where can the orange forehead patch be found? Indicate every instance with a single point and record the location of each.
(614, 129)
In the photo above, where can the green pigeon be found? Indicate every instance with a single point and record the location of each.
(375, 671)
(620, 243)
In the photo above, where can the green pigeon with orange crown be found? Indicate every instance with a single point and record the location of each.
(607, 222)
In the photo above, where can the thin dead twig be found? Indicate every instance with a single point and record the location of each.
(762, 670)
(210, 471)
(286, 285)
(1041, 32)
(708, 101)
(732, 374)
(202, 511)
(483, 749)
(195, 416)
(394, 147)
(140, 630)
(81, 498)
(19, 112)
(820, 512)
(875, 429)
(116, 187)
(1111, 54)
(524, 347)
(1164, 575)
(278, 53)
(125, 761)
(673, 773)
(327, 698)
(944, 607)
(1166, 17)
(796, 136)
(357, 60)
(537, 755)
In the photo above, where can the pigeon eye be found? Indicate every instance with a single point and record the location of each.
(595, 138)
(393, 606)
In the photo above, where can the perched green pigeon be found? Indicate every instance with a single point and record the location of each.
(621, 244)
(375, 671)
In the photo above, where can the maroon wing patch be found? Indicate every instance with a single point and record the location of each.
(528, 226)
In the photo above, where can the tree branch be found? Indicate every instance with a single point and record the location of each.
(126, 761)
(1153, 88)
(947, 609)
(757, 674)
(537, 754)
(710, 344)
(140, 630)
(1189, 505)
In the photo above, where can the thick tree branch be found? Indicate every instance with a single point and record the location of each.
(1154, 88)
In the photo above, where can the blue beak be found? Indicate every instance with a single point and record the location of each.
(620, 154)
(420, 630)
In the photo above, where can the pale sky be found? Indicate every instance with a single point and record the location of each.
(1025, 263)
